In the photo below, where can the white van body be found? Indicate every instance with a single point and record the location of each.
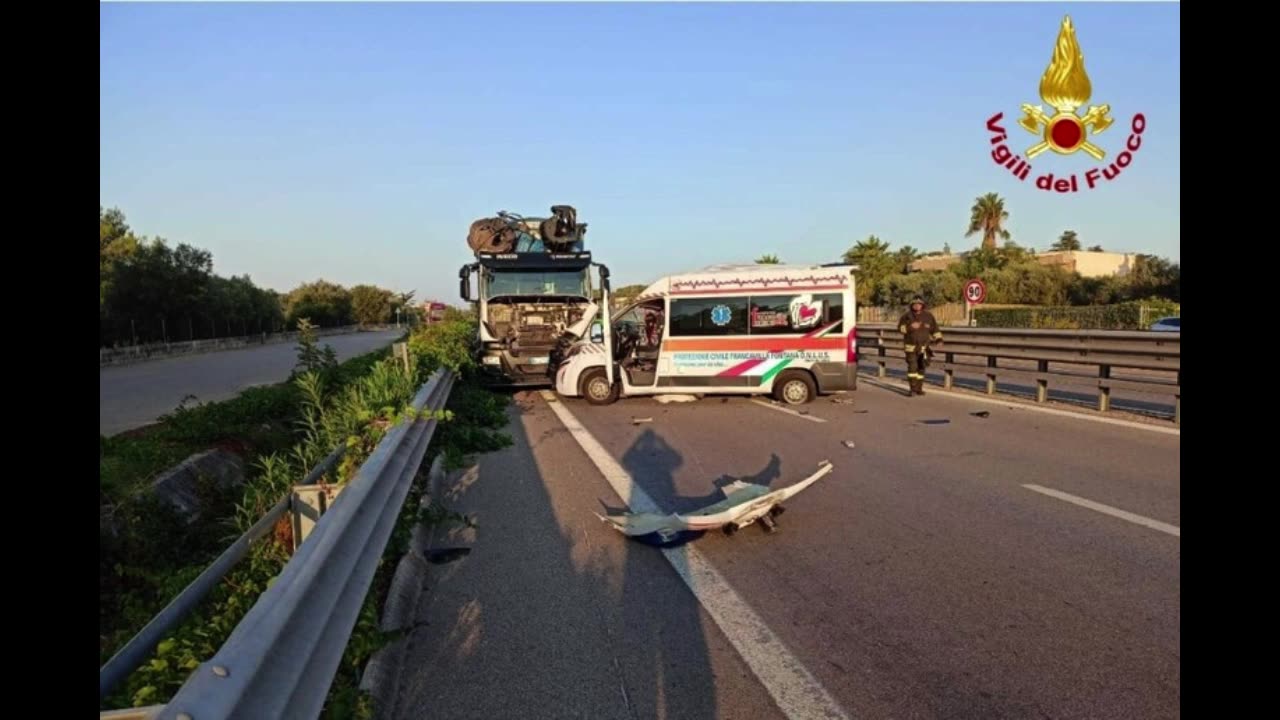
(785, 330)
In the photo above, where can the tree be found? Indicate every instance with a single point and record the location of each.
(905, 256)
(371, 305)
(768, 260)
(874, 264)
(946, 248)
(1096, 248)
(324, 303)
(1069, 241)
(987, 216)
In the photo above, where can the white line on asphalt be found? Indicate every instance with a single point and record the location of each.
(797, 692)
(1107, 509)
(788, 411)
(1020, 405)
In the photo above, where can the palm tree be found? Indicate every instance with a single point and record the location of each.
(768, 260)
(874, 262)
(987, 217)
(1068, 242)
(905, 256)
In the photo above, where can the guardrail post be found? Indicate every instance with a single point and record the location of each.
(1042, 383)
(948, 372)
(307, 504)
(991, 377)
(1104, 390)
(1177, 403)
(881, 359)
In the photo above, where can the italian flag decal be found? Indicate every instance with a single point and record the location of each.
(766, 367)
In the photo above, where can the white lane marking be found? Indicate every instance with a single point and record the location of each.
(789, 411)
(1018, 404)
(797, 693)
(1108, 510)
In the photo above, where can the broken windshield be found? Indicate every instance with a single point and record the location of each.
(539, 282)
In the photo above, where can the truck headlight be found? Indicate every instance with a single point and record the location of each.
(491, 360)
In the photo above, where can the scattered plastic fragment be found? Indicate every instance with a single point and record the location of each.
(447, 555)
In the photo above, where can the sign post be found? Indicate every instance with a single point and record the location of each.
(975, 291)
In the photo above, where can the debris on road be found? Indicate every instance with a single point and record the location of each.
(981, 414)
(664, 399)
(638, 420)
(938, 421)
(444, 556)
(841, 400)
(849, 444)
(744, 503)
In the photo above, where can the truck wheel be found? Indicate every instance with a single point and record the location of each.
(794, 388)
(596, 389)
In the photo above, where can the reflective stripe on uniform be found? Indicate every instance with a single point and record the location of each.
(910, 348)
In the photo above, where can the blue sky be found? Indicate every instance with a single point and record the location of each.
(357, 142)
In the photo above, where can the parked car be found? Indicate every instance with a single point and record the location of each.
(1167, 324)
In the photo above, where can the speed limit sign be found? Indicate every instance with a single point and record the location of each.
(975, 291)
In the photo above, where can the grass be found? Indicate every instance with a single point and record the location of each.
(285, 429)
(154, 553)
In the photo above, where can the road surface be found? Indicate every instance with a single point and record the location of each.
(1018, 565)
(131, 396)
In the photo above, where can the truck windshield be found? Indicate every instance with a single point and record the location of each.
(551, 282)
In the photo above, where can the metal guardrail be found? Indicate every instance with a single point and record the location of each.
(1104, 350)
(281, 658)
(139, 648)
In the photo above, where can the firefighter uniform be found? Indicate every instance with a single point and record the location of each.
(919, 329)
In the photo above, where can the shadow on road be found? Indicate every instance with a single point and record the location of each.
(551, 614)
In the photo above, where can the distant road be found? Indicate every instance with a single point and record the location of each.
(131, 396)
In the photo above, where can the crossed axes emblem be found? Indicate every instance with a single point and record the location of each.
(1094, 121)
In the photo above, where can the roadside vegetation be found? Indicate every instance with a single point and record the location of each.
(282, 432)
(150, 291)
(1013, 276)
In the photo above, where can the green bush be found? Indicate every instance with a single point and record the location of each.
(1120, 316)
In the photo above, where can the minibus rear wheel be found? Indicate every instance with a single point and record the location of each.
(596, 389)
(794, 387)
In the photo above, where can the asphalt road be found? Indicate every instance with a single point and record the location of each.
(131, 396)
(921, 579)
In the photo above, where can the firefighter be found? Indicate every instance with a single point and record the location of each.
(919, 330)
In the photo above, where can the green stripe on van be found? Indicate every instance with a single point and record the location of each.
(774, 371)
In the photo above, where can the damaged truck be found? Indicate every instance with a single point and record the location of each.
(534, 293)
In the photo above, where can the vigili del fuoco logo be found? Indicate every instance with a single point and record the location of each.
(1065, 88)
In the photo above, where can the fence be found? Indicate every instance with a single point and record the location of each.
(140, 353)
(946, 314)
(281, 658)
(1101, 350)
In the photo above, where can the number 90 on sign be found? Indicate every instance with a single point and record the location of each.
(975, 292)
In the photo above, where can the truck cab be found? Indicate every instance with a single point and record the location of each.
(531, 305)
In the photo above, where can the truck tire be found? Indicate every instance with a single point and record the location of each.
(595, 387)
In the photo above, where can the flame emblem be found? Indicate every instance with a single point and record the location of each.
(1065, 87)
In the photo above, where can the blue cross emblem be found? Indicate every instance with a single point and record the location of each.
(720, 315)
